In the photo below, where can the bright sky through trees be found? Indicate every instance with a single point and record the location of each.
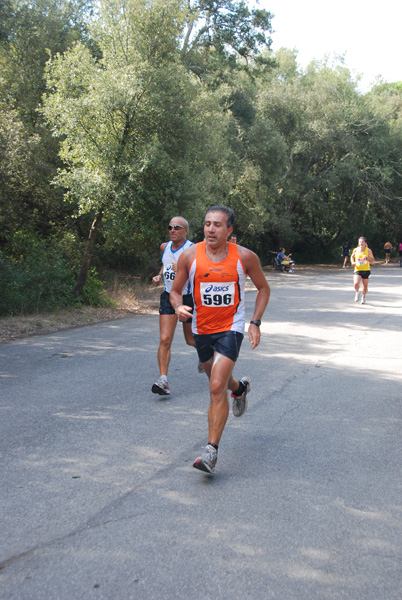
(365, 32)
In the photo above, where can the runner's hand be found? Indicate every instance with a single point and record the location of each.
(184, 312)
(254, 335)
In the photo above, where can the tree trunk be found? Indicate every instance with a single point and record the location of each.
(86, 260)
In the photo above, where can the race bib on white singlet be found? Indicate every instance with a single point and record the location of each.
(361, 260)
(169, 274)
(217, 294)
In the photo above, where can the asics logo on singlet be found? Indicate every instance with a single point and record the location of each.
(216, 288)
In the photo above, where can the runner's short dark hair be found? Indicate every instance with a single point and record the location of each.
(229, 212)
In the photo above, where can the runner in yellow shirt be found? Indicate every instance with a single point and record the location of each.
(361, 259)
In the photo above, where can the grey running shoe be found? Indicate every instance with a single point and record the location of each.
(357, 296)
(239, 405)
(161, 387)
(207, 461)
(200, 367)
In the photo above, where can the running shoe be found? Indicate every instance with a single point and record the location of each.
(357, 296)
(291, 271)
(161, 387)
(200, 367)
(239, 405)
(207, 461)
(363, 301)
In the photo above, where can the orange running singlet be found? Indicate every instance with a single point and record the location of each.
(218, 291)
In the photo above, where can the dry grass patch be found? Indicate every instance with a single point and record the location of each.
(129, 297)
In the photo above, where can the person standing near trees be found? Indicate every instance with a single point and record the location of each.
(361, 259)
(388, 249)
(345, 254)
(218, 270)
(178, 229)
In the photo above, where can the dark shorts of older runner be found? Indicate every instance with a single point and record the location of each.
(227, 343)
(165, 308)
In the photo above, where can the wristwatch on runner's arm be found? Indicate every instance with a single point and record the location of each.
(257, 322)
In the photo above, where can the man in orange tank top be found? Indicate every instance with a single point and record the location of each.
(217, 271)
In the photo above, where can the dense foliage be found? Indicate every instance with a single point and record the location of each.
(118, 114)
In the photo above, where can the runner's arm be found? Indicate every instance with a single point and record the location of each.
(157, 279)
(253, 268)
(176, 298)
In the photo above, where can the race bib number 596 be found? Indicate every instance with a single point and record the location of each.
(217, 294)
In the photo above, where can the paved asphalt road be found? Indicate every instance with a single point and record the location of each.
(98, 496)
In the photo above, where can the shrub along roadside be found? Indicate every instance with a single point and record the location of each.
(39, 275)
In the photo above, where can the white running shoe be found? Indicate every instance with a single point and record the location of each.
(363, 301)
(357, 296)
(207, 461)
(161, 387)
(239, 405)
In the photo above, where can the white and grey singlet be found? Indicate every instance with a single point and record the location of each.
(169, 257)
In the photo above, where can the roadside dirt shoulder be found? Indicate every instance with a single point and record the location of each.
(146, 301)
(18, 327)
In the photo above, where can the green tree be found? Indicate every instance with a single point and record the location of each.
(217, 33)
(29, 31)
(315, 160)
(325, 157)
(386, 101)
(131, 123)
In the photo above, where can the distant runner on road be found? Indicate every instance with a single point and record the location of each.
(345, 254)
(361, 259)
(388, 249)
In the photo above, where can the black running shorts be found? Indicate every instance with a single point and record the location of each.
(227, 343)
(165, 308)
(363, 274)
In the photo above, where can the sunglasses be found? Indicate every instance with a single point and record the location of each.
(175, 227)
